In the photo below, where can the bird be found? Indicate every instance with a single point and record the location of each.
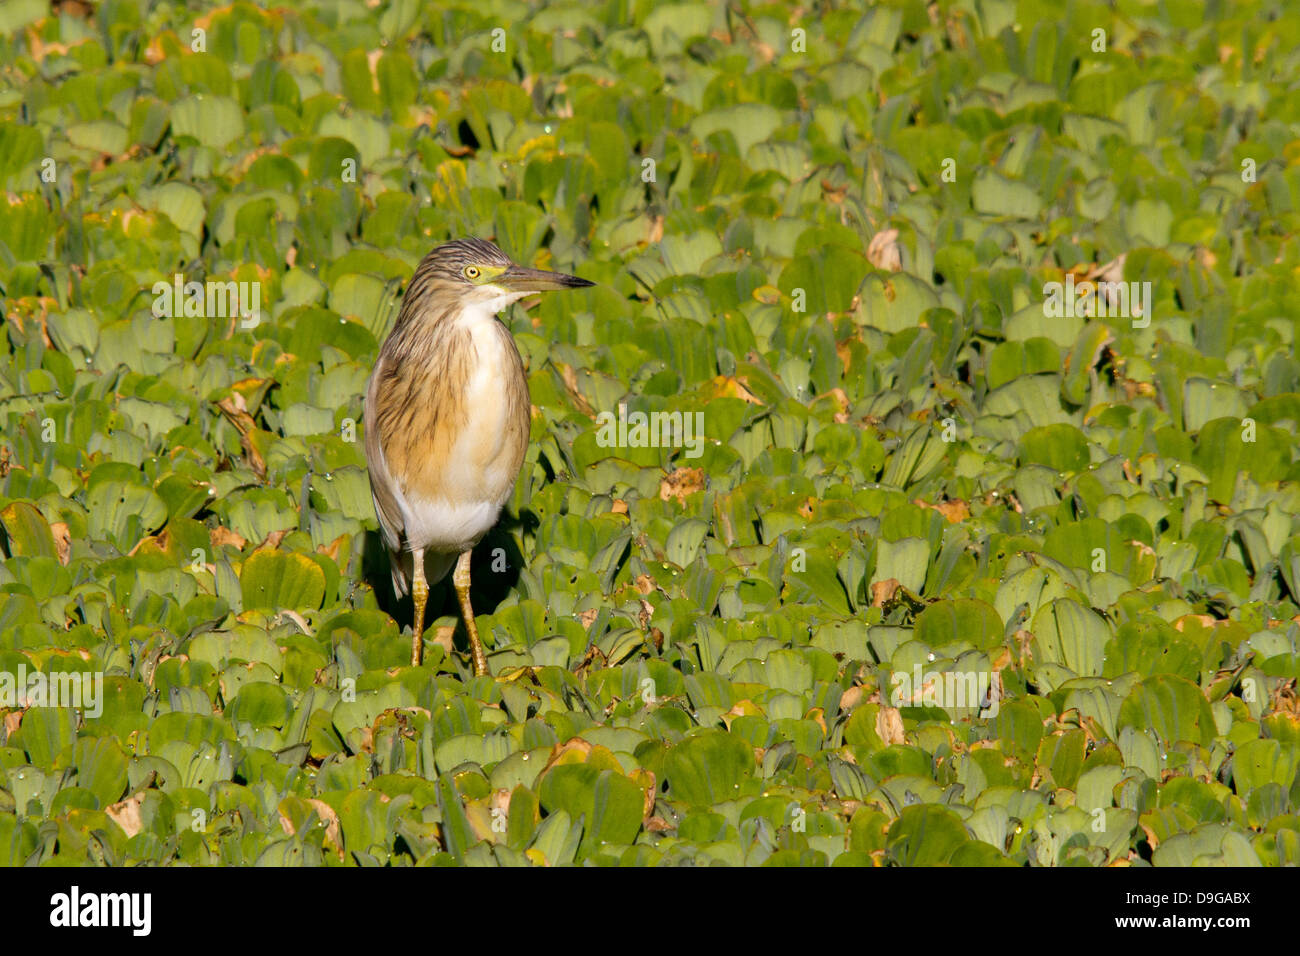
(446, 419)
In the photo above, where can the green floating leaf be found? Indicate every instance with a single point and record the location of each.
(825, 282)
(708, 767)
(261, 704)
(100, 136)
(959, 621)
(926, 835)
(1260, 762)
(1060, 447)
(275, 580)
(1226, 447)
(1173, 707)
(1067, 633)
(29, 533)
(610, 803)
(215, 121)
(101, 768)
(363, 820)
(46, 732)
(995, 195)
(122, 513)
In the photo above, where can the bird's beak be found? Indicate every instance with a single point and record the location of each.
(519, 279)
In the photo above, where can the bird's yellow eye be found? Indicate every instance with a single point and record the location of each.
(471, 272)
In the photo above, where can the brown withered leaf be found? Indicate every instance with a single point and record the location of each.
(233, 408)
(1025, 642)
(681, 483)
(331, 820)
(954, 510)
(883, 591)
(160, 540)
(573, 743)
(273, 540)
(1284, 700)
(842, 402)
(1112, 271)
(649, 784)
(731, 386)
(221, 536)
(36, 308)
(444, 637)
(367, 743)
(126, 814)
(1143, 549)
(62, 541)
(844, 349)
(889, 725)
(1000, 659)
(1133, 389)
(333, 549)
(570, 378)
(76, 9)
(154, 53)
(818, 716)
(883, 251)
(832, 193)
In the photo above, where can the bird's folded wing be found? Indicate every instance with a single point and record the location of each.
(383, 490)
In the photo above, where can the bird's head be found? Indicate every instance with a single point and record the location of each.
(476, 274)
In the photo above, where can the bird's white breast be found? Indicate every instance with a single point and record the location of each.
(479, 468)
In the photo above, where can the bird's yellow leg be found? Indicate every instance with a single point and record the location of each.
(420, 594)
(461, 579)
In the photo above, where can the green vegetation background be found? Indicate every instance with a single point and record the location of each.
(694, 658)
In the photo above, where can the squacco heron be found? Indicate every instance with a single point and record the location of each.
(447, 418)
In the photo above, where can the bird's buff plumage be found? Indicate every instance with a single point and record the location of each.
(447, 418)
